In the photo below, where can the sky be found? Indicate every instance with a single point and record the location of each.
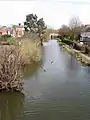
(55, 12)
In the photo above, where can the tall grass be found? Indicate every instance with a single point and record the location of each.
(30, 52)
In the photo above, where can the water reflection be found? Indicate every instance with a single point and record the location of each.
(73, 64)
(62, 92)
(32, 69)
(87, 69)
(11, 106)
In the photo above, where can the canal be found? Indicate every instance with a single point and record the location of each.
(57, 88)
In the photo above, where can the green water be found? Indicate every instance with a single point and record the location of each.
(11, 106)
(57, 88)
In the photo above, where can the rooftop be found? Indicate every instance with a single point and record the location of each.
(87, 28)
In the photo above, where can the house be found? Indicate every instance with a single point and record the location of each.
(19, 31)
(4, 30)
(85, 35)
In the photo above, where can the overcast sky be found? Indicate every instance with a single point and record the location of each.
(54, 12)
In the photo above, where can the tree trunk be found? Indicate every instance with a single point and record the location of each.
(41, 42)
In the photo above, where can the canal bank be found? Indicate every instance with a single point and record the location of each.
(84, 59)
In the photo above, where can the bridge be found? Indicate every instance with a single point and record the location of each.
(53, 35)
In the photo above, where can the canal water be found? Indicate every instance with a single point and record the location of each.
(57, 88)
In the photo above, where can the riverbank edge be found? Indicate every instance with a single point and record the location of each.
(12, 53)
(84, 59)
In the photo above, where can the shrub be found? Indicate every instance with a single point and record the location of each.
(67, 41)
(4, 37)
(30, 52)
(86, 49)
(10, 69)
(12, 41)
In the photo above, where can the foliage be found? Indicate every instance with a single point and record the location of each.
(30, 36)
(64, 30)
(68, 41)
(35, 25)
(60, 42)
(12, 58)
(72, 31)
(30, 52)
(4, 37)
(30, 23)
(12, 41)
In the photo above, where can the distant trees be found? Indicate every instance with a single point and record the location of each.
(74, 22)
(75, 27)
(64, 30)
(72, 30)
(35, 25)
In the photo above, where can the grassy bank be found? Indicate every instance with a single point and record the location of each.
(84, 59)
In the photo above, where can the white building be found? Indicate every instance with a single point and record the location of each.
(86, 33)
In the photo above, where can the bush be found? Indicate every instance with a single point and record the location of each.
(4, 37)
(12, 41)
(67, 41)
(60, 42)
(86, 49)
(10, 69)
(30, 52)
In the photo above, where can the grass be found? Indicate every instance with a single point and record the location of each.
(11, 41)
(60, 42)
(30, 52)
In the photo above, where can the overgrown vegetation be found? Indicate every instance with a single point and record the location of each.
(8, 40)
(70, 35)
(76, 45)
(12, 59)
(10, 69)
(15, 53)
(73, 30)
(11, 41)
(4, 37)
(30, 52)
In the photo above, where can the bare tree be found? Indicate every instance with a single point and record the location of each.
(64, 30)
(74, 22)
(75, 26)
